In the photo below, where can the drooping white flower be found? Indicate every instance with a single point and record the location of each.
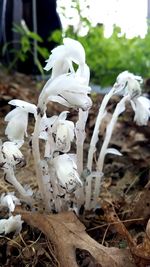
(17, 124)
(45, 124)
(13, 224)
(64, 130)
(60, 61)
(28, 107)
(128, 83)
(67, 88)
(83, 74)
(68, 91)
(67, 174)
(141, 107)
(9, 200)
(18, 119)
(11, 153)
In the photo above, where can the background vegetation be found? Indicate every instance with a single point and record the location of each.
(107, 57)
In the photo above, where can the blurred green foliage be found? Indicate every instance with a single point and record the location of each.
(107, 57)
(25, 49)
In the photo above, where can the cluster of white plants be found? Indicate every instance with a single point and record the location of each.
(64, 182)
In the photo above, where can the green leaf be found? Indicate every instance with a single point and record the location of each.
(18, 29)
(25, 44)
(43, 52)
(35, 36)
(56, 36)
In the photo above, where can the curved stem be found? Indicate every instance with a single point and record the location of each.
(109, 130)
(10, 177)
(100, 163)
(94, 138)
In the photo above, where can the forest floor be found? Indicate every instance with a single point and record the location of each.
(125, 190)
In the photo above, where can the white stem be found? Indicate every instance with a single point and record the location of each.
(55, 187)
(47, 149)
(97, 187)
(109, 130)
(47, 184)
(80, 137)
(94, 138)
(10, 177)
(88, 197)
(36, 155)
(118, 110)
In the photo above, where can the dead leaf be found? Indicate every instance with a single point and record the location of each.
(67, 234)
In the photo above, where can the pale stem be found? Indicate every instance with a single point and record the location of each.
(88, 196)
(97, 187)
(10, 176)
(99, 118)
(47, 184)
(94, 139)
(36, 156)
(47, 149)
(109, 130)
(56, 193)
(100, 163)
(50, 145)
(80, 137)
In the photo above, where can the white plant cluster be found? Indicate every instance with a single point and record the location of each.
(64, 182)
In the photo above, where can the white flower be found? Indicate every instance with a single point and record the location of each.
(45, 124)
(128, 83)
(11, 153)
(28, 107)
(64, 131)
(13, 224)
(17, 124)
(60, 61)
(9, 200)
(141, 107)
(69, 91)
(67, 174)
(18, 120)
(67, 88)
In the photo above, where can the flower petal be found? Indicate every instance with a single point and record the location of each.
(76, 50)
(113, 151)
(142, 110)
(28, 107)
(17, 125)
(10, 201)
(11, 153)
(66, 171)
(13, 224)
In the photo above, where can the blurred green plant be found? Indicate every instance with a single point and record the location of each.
(107, 57)
(26, 41)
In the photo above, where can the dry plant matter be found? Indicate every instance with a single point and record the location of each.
(68, 235)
